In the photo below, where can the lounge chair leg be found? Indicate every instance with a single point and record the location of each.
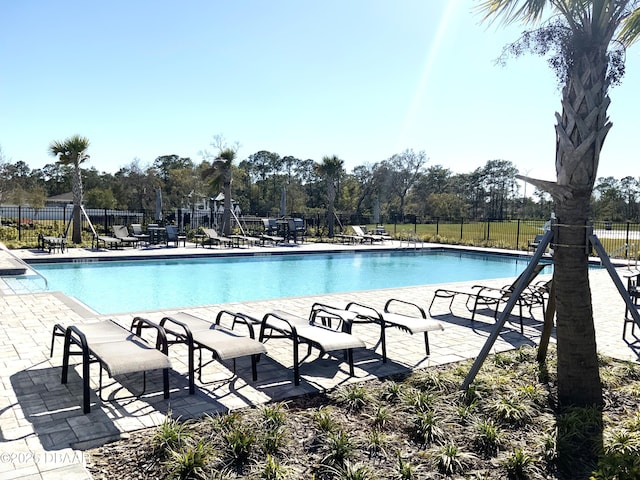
(296, 367)
(426, 343)
(350, 358)
(192, 373)
(86, 390)
(383, 341)
(165, 380)
(58, 331)
(254, 368)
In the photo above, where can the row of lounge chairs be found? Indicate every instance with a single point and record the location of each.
(361, 235)
(328, 328)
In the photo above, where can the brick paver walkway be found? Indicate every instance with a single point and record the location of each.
(44, 432)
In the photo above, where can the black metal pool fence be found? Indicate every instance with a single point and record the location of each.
(23, 223)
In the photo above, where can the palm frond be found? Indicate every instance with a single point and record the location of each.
(510, 11)
(630, 28)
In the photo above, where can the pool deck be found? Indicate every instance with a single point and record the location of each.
(44, 433)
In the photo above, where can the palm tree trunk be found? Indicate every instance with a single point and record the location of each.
(581, 131)
(76, 236)
(331, 198)
(226, 215)
(578, 374)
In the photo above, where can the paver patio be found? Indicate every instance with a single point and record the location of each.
(44, 432)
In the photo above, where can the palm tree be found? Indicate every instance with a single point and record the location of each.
(72, 152)
(221, 173)
(330, 169)
(585, 39)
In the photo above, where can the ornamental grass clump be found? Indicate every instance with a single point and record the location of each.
(325, 420)
(427, 427)
(339, 447)
(170, 435)
(189, 461)
(406, 470)
(239, 443)
(354, 397)
(351, 471)
(273, 469)
(488, 437)
(518, 464)
(392, 392)
(451, 459)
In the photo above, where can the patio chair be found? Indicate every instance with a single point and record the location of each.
(296, 229)
(481, 295)
(223, 343)
(405, 316)
(116, 349)
(174, 236)
(106, 240)
(366, 237)
(138, 233)
(212, 237)
(46, 242)
(270, 230)
(121, 232)
(280, 324)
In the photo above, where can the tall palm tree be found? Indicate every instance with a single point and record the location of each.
(585, 38)
(330, 170)
(221, 173)
(72, 151)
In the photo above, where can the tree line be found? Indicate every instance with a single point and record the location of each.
(398, 188)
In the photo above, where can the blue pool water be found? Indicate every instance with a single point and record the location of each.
(117, 287)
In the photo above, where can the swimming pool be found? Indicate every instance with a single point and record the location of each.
(111, 287)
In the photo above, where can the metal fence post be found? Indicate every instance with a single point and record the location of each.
(626, 241)
(20, 222)
(461, 223)
(518, 235)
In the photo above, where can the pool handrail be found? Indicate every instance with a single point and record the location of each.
(22, 262)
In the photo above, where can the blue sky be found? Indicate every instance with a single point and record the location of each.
(361, 79)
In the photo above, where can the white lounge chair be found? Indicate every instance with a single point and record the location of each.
(224, 344)
(279, 324)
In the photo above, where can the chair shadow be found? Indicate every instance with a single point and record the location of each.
(55, 410)
(510, 331)
(320, 373)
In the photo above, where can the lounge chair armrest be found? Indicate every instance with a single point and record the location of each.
(484, 288)
(329, 312)
(290, 331)
(185, 335)
(246, 320)
(392, 301)
(74, 335)
(139, 323)
(364, 310)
